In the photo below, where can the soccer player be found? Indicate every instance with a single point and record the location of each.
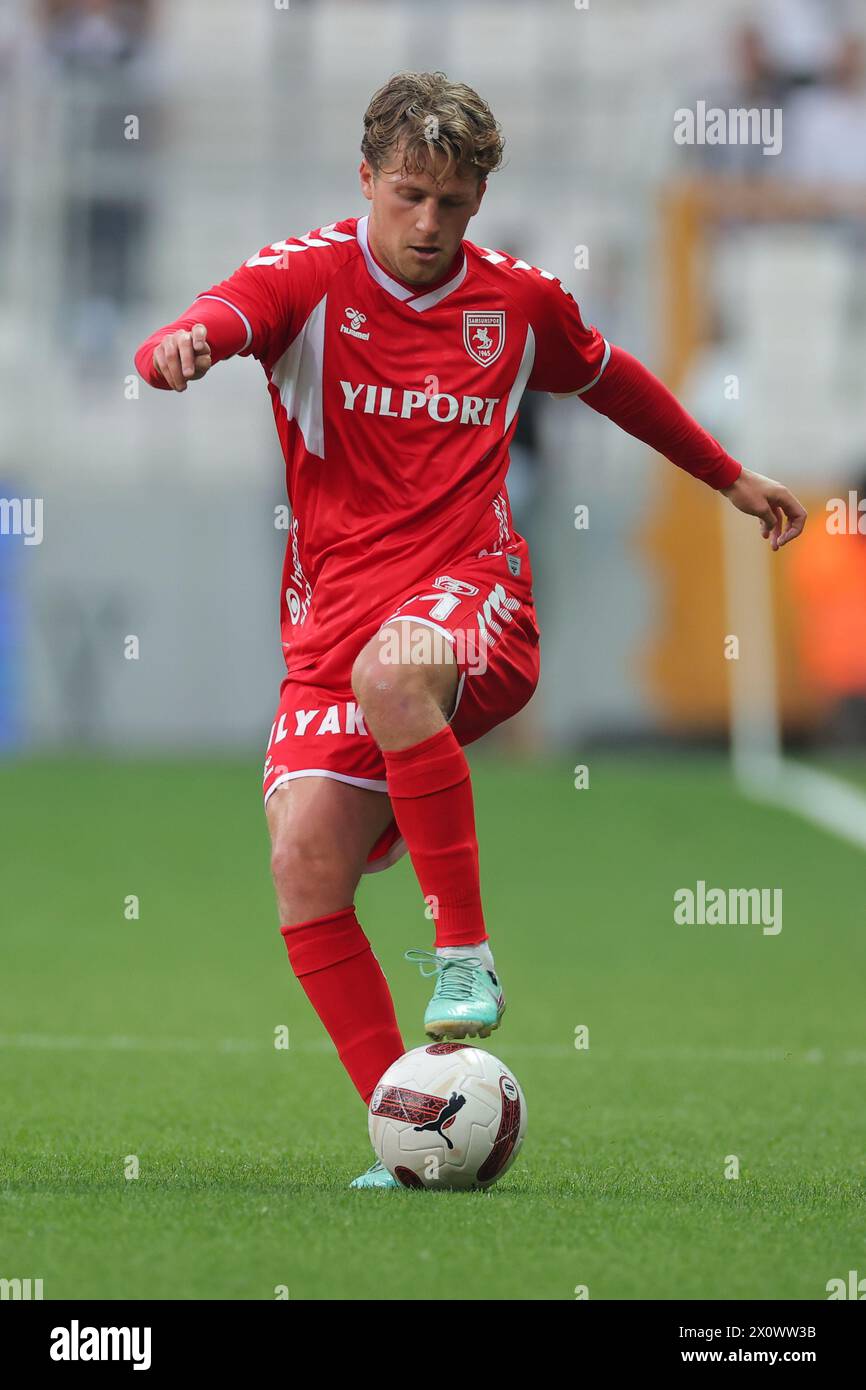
(396, 354)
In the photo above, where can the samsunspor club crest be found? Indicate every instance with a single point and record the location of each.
(484, 334)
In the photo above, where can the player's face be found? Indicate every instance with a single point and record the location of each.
(417, 223)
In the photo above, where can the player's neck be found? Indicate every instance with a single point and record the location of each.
(419, 287)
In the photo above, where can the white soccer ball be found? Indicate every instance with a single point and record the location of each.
(447, 1115)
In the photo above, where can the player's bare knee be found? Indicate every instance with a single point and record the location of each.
(303, 864)
(372, 674)
(388, 680)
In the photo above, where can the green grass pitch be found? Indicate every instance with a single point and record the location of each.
(155, 1038)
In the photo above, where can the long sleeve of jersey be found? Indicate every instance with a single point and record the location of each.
(226, 335)
(573, 359)
(629, 394)
(248, 314)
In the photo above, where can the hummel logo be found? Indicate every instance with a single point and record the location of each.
(356, 318)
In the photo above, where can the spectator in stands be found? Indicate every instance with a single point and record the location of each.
(801, 39)
(89, 35)
(94, 46)
(825, 126)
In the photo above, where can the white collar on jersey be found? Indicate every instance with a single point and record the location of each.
(419, 302)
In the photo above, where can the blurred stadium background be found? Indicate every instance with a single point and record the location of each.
(740, 278)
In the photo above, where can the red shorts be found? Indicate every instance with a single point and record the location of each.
(482, 609)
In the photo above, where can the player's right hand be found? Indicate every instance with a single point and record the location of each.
(183, 357)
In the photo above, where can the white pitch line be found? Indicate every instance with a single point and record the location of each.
(49, 1042)
(812, 1057)
(817, 796)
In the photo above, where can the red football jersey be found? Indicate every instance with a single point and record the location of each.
(394, 408)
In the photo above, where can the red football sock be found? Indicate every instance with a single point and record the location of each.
(431, 793)
(343, 981)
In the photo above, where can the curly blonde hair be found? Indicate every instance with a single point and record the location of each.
(422, 113)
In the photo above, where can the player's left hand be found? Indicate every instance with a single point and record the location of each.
(781, 516)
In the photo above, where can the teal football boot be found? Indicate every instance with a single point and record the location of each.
(377, 1175)
(467, 1002)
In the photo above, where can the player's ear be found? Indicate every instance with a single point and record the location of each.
(365, 174)
(482, 189)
